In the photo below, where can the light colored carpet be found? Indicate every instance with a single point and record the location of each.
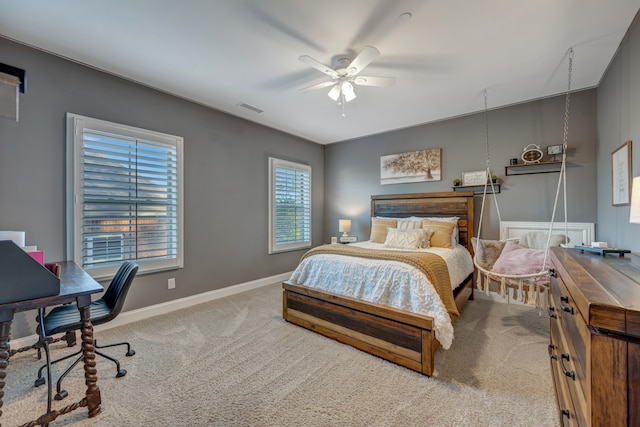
(235, 362)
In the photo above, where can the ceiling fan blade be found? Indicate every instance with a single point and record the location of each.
(374, 81)
(365, 57)
(318, 66)
(317, 86)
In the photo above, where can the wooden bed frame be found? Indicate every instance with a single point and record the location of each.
(395, 335)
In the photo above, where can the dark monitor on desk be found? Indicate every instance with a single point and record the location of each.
(22, 277)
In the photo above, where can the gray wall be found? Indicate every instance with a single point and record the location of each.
(618, 112)
(225, 179)
(352, 169)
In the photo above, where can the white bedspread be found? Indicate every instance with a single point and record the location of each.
(391, 283)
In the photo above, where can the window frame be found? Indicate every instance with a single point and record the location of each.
(75, 127)
(275, 248)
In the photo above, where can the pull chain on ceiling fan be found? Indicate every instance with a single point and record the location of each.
(344, 75)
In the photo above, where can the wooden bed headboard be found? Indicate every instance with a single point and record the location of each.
(458, 204)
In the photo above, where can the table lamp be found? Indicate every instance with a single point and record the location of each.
(344, 226)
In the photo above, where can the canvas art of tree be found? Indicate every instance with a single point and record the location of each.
(414, 166)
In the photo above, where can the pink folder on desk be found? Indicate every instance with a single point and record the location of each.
(38, 256)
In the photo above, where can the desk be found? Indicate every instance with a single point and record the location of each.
(75, 286)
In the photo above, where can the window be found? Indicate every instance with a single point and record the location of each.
(105, 248)
(124, 197)
(289, 206)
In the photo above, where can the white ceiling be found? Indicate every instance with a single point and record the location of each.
(222, 53)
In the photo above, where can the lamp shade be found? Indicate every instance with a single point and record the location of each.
(634, 216)
(347, 91)
(344, 225)
(334, 93)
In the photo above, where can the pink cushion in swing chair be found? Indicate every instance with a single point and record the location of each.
(518, 260)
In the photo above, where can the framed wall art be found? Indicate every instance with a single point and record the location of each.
(621, 175)
(415, 166)
(474, 178)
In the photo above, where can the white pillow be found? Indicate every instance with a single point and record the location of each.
(405, 239)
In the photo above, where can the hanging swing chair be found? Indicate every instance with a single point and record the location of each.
(506, 263)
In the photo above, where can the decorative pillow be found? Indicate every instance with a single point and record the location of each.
(487, 251)
(538, 239)
(404, 239)
(426, 242)
(515, 259)
(379, 228)
(454, 219)
(442, 231)
(408, 224)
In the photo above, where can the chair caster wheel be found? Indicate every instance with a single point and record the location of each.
(131, 353)
(61, 395)
(39, 382)
(121, 373)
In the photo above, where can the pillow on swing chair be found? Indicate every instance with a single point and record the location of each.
(515, 260)
(487, 251)
(538, 239)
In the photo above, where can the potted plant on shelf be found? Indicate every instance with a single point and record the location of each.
(456, 182)
(494, 178)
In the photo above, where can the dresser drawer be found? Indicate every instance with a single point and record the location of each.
(594, 309)
(567, 412)
(571, 337)
(572, 325)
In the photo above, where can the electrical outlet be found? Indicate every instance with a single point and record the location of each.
(171, 283)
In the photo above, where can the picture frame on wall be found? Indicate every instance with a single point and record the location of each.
(414, 166)
(621, 175)
(474, 178)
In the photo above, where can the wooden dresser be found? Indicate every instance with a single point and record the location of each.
(594, 309)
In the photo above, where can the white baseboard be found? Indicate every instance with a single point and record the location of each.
(169, 306)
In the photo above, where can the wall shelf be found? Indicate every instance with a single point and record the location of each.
(531, 168)
(477, 189)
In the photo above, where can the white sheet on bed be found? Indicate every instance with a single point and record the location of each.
(391, 283)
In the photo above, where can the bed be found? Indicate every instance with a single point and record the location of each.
(404, 337)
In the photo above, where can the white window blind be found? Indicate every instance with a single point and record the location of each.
(289, 205)
(127, 197)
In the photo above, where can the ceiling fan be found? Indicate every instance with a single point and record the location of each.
(345, 73)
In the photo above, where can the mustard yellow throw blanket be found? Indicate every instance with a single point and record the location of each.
(431, 265)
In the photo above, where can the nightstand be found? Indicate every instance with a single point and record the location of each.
(348, 239)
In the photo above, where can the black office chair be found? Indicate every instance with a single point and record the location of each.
(66, 318)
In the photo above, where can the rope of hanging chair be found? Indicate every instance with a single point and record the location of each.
(561, 181)
(513, 276)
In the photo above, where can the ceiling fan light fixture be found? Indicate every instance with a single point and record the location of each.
(347, 90)
(345, 73)
(334, 93)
